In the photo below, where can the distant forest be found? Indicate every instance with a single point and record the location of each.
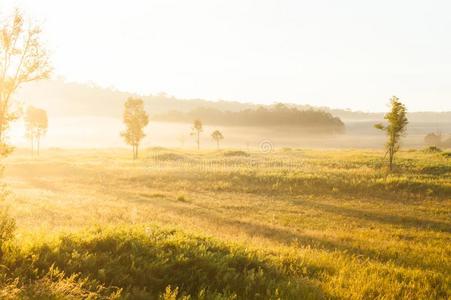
(278, 115)
(69, 99)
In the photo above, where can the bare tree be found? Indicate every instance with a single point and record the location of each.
(22, 59)
(217, 137)
(36, 121)
(135, 119)
(396, 128)
(196, 131)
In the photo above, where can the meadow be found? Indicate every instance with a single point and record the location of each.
(228, 224)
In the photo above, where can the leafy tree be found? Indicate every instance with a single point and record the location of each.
(22, 60)
(196, 131)
(279, 115)
(135, 119)
(36, 121)
(217, 137)
(396, 128)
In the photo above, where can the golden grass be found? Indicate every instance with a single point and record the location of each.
(333, 222)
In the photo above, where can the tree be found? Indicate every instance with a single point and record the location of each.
(36, 121)
(22, 59)
(433, 139)
(135, 119)
(396, 128)
(217, 137)
(196, 131)
(278, 116)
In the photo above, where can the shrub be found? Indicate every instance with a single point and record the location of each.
(432, 149)
(181, 198)
(169, 157)
(236, 153)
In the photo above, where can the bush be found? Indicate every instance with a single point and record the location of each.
(432, 149)
(236, 153)
(169, 157)
(181, 198)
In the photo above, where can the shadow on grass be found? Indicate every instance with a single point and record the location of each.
(144, 262)
(288, 237)
(279, 183)
(391, 219)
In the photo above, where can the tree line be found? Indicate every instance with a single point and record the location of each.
(278, 115)
(135, 119)
(23, 59)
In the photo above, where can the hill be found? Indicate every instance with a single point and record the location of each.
(70, 99)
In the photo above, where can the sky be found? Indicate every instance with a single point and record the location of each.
(351, 54)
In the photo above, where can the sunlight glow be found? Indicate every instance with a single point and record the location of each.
(344, 54)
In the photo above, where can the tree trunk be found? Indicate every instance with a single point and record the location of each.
(136, 149)
(198, 141)
(133, 147)
(390, 160)
(217, 145)
(32, 147)
(38, 144)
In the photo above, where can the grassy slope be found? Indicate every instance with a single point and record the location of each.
(321, 224)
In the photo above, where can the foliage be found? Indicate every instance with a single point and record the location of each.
(279, 115)
(396, 128)
(230, 153)
(196, 131)
(135, 119)
(22, 59)
(7, 228)
(433, 149)
(217, 137)
(37, 123)
(142, 263)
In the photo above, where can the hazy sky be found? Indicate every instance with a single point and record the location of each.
(339, 53)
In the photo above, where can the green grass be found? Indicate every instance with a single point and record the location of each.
(286, 225)
(142, 261)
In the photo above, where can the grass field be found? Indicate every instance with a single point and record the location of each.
(291, 224)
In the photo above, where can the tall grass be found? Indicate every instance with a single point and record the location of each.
(287, 225)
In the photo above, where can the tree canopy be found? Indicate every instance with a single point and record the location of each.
(217, 137)
(22, 59)
(36, 122)
(135, 119)
(395, 129)
(196, 131)
(279, 115)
